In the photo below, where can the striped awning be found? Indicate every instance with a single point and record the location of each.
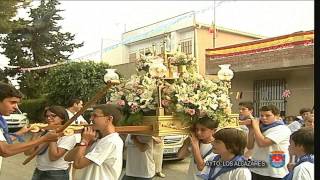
(263, 45)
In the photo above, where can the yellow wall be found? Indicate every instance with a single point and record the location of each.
(204, 41)
(114, 56)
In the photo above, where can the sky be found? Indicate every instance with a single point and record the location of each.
(94, 22)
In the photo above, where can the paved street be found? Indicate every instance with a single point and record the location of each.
(13, 169)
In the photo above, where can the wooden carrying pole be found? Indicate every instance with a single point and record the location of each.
(119, 129)
(98, 96)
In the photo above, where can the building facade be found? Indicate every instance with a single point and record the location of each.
(179, 32)
(265, 69)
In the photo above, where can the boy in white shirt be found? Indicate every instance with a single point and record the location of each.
(269, 138)
(199, 145)
(299, 121)
(245, 117)
(9, 99)
(73, 106)
(302, 146)
(229, 144)
(101, 159)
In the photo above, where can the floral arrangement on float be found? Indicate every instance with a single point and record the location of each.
(180, 58)
(188, 97)
(192, 97)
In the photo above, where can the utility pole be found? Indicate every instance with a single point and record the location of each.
(214, 25)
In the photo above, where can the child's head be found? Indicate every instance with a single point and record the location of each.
(245, 109)
(229, 140)
(205, 127)
(305, 112)
(9, 99)
(302, 142)
(269, 114)
(55, 115)
(290, 119)
(105, 115)
(309, 121)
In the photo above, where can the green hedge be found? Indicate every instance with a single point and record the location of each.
(34, 108)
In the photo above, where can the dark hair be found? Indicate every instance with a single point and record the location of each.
(272, 108)
(304, 137)
(234, 139)
(208, 122)
(303, 110)
(246, 104)
(73, 101)
(59, 111)
(282, 113)
(8, 91)
(110, 110)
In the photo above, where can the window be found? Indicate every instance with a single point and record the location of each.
(186, 46)
(269, 92)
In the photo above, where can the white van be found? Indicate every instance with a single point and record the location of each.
(172, 144)
(16, 120)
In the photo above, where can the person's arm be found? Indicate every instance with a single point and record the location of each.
(66, 143)
(157, 140)
(31, 150)
(80, 161)
(21, 132)
(7, 150)
(71, 155)
(183, 151)
(141, 146)
(78, 153)
(250, 144)
(55, 152)
(261, 140)
(196, 152)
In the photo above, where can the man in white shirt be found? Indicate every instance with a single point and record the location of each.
(102, 158)
(269, 138)
(299, 121)
(73, 107)
(9, 99)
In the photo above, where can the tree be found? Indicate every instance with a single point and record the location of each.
(39, 42)
(8, 10)
(75, 80)
(3, 77)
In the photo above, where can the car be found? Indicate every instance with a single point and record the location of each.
(172, 144)
(16, 120)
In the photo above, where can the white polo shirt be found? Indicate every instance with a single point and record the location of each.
(280, 135)
(106, 155)
(43, 162)
(140, 164)
(305, 171)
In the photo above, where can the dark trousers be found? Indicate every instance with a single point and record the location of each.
(50, 175)
(260, 177)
